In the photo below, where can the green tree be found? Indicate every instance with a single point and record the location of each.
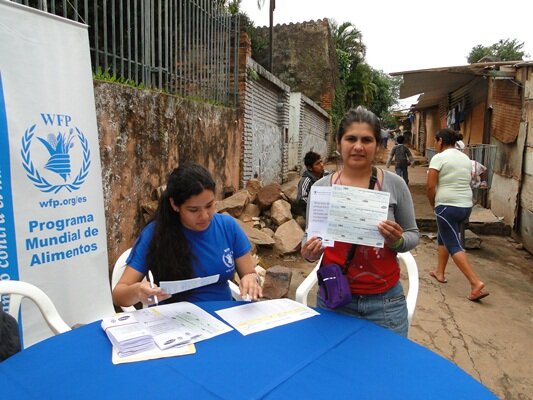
(503, 50)
(359, 83)
(348, 39)
(352, 71)
(386, 94)
(361, 88)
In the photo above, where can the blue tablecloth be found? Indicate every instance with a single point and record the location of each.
(328, 356)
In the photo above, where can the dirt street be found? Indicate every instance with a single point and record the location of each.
(491, 340)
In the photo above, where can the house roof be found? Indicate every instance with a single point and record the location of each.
(435, 83)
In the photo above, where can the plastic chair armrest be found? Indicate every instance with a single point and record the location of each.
(302, 292)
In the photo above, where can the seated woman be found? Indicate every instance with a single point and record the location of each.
(187, 239)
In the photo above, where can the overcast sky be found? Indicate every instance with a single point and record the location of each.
(413, 34)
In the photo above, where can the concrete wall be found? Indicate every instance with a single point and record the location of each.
(432, 126)
(525, 225)
(309, 129)
(266, 125)
(144, 135)
(503, 198)
(315, 129)
(295, 130)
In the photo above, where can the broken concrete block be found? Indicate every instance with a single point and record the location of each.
(280, 212)
(288, 237)
(277, 282)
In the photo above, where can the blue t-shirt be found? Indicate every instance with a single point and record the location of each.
(214, 250)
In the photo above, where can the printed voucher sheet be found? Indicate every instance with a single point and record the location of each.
(173, 287)
(263, 315)
(354, 214)
(317, 224)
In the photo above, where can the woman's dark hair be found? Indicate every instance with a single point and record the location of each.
(169, 255)
(310, 158)
(448, 136)
(361, 115)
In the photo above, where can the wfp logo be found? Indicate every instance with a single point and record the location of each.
(58, 152)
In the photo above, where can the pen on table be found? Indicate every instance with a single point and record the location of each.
(151, 279)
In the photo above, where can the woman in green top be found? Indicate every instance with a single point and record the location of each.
(449, 193)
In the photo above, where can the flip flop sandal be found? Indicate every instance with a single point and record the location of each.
(433, 275)
(478, 297)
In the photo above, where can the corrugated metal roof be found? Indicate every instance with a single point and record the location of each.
(435, 83)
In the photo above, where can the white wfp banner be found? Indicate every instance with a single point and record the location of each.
(52, 223)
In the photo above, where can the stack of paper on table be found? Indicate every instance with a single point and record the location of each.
(127, 335)
(159, 331)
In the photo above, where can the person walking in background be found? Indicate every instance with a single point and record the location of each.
(402, 157)
(314, 170)
(449, 193)
(373, 273)
(459, 144)
(384, 138)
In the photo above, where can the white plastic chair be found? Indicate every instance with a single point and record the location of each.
(235, 292)
(405, 259)
(118, 270)
(120, 266)
(19, 290)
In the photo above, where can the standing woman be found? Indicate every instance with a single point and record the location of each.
(373, 273)
(187, 239)
(449, 193)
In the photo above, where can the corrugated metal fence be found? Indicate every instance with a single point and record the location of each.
(186, 47)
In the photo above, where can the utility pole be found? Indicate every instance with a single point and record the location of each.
(271, 32)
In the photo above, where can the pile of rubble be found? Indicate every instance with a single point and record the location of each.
(265, 215)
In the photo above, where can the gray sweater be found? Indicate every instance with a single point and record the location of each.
(401, 209)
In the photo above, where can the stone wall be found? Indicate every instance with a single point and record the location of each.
(304, 58)
(143, 135)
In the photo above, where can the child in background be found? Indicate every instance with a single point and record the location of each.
(314, 170)
(403, 158)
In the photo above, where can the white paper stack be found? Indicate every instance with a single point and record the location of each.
(161, 328)
(127, 335)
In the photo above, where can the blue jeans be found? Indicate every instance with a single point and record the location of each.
(388, 309)
(402, 171)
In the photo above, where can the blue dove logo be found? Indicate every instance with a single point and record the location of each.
(59, 147)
